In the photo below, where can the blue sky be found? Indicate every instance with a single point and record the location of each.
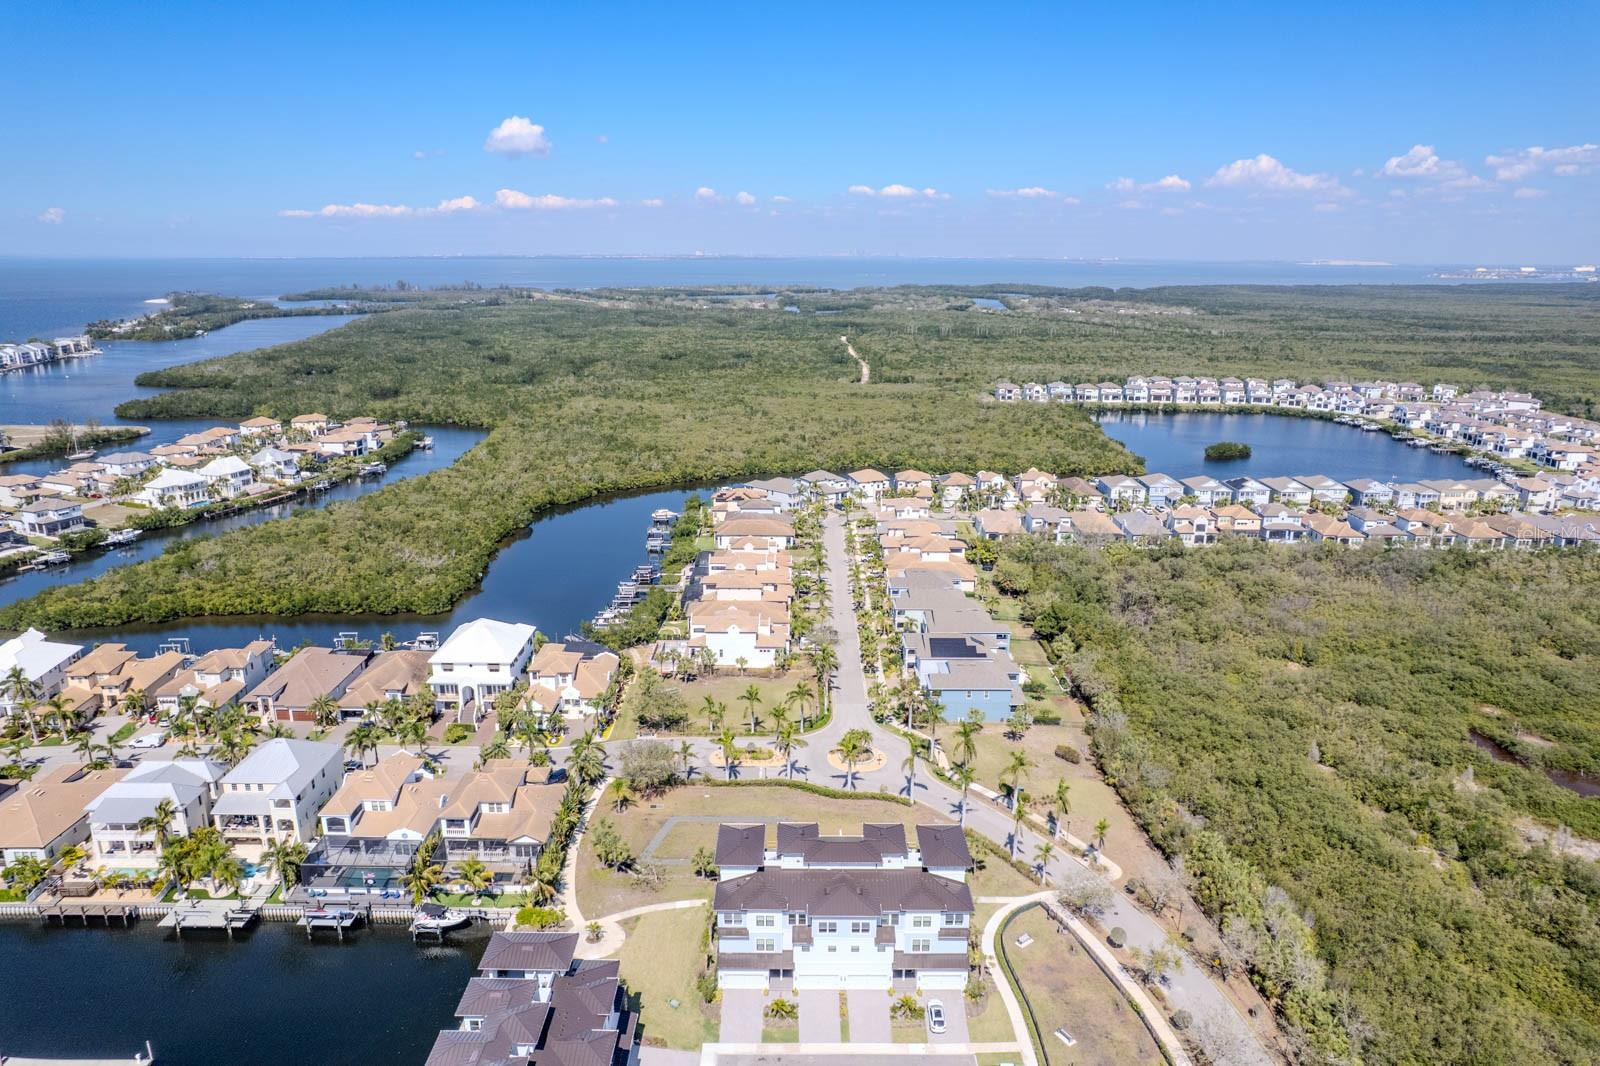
(1410, 133)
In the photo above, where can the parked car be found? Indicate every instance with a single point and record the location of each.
(149, 740)
(936, 1018)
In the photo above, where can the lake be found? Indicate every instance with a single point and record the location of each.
(1280, 445)
(267, 998)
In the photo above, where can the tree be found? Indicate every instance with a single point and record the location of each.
(159, 821)
(476, 876)
(609, 847)
(751, 697)
(26, 871)
(650, 767)
(933, 713)
(622, 795)
(324, 711)
(966, 748)
(1014, 776)
(1063, 806)
(1041, 859)
(964, 776)
(421, 880)
(704, 862)
(62, 719)
(909, 766)
(499, 747)
(686, 758)
(729, 744)
(587, 760)
(799, 697)
(23, 693)
(824, 661)
(1100, 829)
(285, 857)
(787, 741)
(362, 738)
(854, 746)
(233, 746)
(1083, 893)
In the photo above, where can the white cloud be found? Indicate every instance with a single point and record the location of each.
(517, 136)
(654, 201)
(1568, 162)
(1263, 173)
(1030, 192)
(356, 210)
(53, 216)
(427, 153)
(460, 203)
(1170, 183)
(513, 200)
(1130, 205)
(1526, 193)
(744, 199)
(1421, 161)
(707, 194)
(899, 192)
(782, 200)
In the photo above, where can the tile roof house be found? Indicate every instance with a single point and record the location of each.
(287, 693)
(388, 675)
(43, 816)
(217, 678)
(533, 1004)
(756, 632)
(572, 678)
(845, 912)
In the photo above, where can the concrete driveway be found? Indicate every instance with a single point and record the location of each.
(955, 1018)
(869, 1016)
(742, 1009)
(819, 1016)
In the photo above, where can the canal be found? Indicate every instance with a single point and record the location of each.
(267, 998)
(1280, 445)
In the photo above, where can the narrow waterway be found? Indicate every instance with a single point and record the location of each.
(1582, 784)
(266, 998)
(1280, 445)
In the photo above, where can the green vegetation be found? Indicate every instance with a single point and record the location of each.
(1227, 450)
(189, 314)
(1295, 723)
(59, 439)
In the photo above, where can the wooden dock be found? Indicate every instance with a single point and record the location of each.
(227, 915)
(63, 909)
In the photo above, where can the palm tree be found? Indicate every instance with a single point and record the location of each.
(780, 717)
(1063, 806)
(1100, 829)
(232, 747)
(622, 795)
(1014, 776)
(967, 740)
(324, 711)
(854, 746)
(476, 876)
(546, 883)
(20, 689)
(499, 747)
(730, 751)
(933, 711)
(135, 702)
(714, 714)
(824, 661)
(413, 733)
(787, 741)
(799, 697)
(686, 758)
(278, 731)
(422, 880)
(964, 776)
(159, 822)
(751, 698)
(285, 857)
(1019, 811)
(84, 745)
(909, 765)
(61, 717)
(1041, 859)
(587, 760)
(362, 738)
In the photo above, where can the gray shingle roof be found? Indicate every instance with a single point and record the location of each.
(843, 893)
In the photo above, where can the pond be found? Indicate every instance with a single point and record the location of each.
(1281, 446)
(266, 998)
(1582, 784)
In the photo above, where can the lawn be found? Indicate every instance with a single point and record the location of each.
(775, 1032)
(660, 962)
(124, 733)
(1064, 988)
(1039, 742)
(602, 891)
(727, 689)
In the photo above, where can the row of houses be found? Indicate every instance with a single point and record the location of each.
(370, 820)
(739, 594)
(36, 353)
(259, 456)
(462, 677)
(1509, 424)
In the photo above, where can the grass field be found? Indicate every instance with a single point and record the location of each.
(727, 690)
(1065, 989)
(660, 961)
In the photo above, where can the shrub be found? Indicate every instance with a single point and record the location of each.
(1045, 716)
(540, 917)
(1227, 449)
(807, 786)
(1181, 1020)
(706, 985)
(783, 1010)
(906, 1009)
(1117, 937)
(456, 732)
(1068, 752)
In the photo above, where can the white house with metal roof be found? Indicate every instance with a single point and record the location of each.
(480, 660)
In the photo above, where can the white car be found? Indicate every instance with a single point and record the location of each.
(936, 1019)
(149, 740)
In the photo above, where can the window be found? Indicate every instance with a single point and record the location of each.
(765, 921)
(797, 918)
(861, 927)
(731, 918)
(855, 949)
(378, 805)
(953, 919)
(766, 945)
(922, 921)
(922, 945)
(827, 927)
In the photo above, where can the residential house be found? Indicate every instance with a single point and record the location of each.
(387, 676)
(1006, 392)
(312, 425)
(953, 486)
(571, 678)
(480, 660)
(127, 464)
(1365, 492)
(1142, 528)
(274, 794)
(967, 674)
(785, 492)
(1094, 527)
(42, 817)
(1536, 494)
(227, 476)
(1161, 490)
(101, 681)
(1288, 490)
(759, 531)
(1325, 489)
(994, 523)
(175, 488)
(1034, 392)
(217, 678)
(42, 661)
(1207, 491)
(1192, 524)
(260, 428)
(748, 635)
(117, 816)
(912, 480)
(1119, 489)
(1322, 527)
(817, 912)
(48, 518)
(869, 484)
(1237, 520)
(1052, 523)
(276, 464)
(532, 1004)
(286, 694)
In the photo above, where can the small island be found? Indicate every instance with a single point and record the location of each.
(1227, 449)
